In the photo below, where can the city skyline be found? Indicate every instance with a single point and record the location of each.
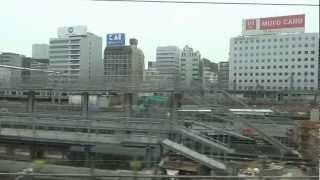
(166, 24)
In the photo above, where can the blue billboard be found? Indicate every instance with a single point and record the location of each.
(116, 39)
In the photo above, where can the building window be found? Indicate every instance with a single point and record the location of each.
(298, 66)
(292, 66)
(312, 52)
(306, 73)
(298, 73)
(312, 59)
(312, 66)
(299, 59)
(280, 73)
(306, 52)
(305, 45)
(299, 52)
(305, 66)
(311, 80)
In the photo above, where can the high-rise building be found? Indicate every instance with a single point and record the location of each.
(15, 76)
(168, 61)
(191, 67)
(40, 51)
(209, 73)
(39, 76)
(274, 56)
(124, 63)
(223, 75)
(151, 74)
(76, 54)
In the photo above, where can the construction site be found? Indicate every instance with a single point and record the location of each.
(155, 130)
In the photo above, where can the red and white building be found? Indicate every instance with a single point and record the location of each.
(274, 54)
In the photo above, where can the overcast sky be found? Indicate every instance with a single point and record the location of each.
(206, 28)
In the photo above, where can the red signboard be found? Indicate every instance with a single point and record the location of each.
(294, 21)
(251, 24)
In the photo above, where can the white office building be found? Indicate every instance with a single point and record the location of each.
(40, 51)
(168, 61)
(190, 67)
(284, 60)
(76, 54)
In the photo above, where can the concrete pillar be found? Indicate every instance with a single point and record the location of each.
(89, 162)
(148, 156)
(53, 100)
(315, 98)
(30, 101)
(59, 97)
(84, 104)
(36, 153)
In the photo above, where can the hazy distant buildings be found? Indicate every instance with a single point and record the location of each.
(190, 67)
(209, 73)
(274, 57)
(223, 75)
(168, 61)
(40, 51)
(124, 63)
(15, 76)
(76, 54)
(151, 74)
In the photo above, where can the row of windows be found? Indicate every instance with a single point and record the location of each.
(274, 74)
(274, 53)
(274, 60)
(274, 80)
(275, 67)
(275, 88)
(274, 40)
(274, 46)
